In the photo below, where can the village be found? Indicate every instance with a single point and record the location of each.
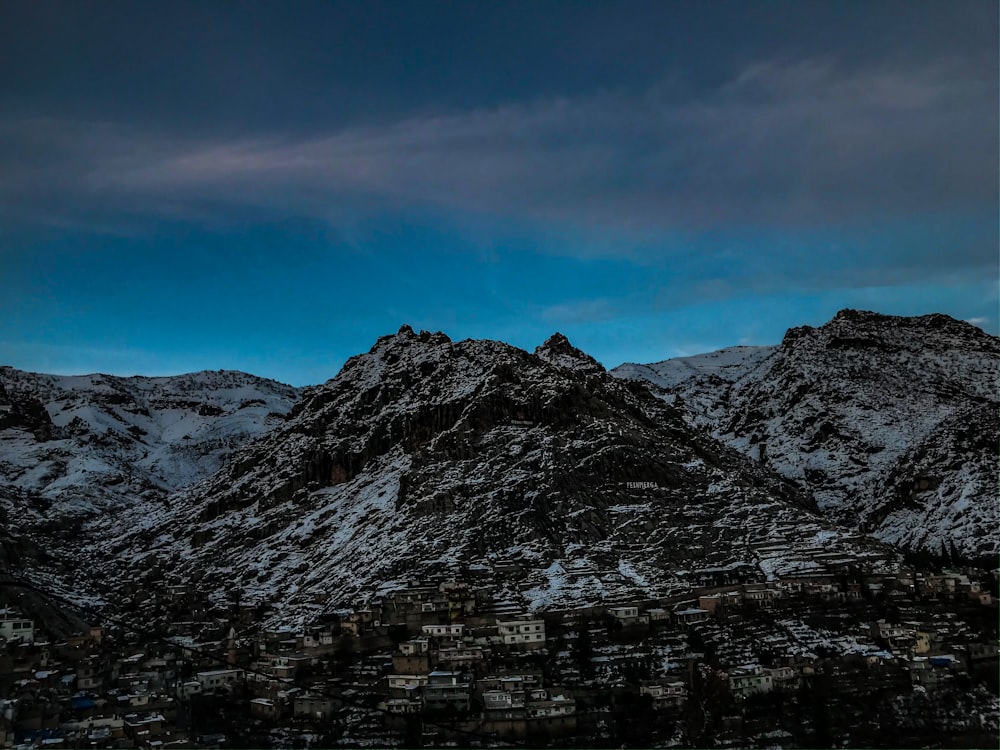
(817, 660)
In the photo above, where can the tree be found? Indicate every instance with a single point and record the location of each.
(583, 651)
(633, 720)
(398, 634)
(708, 700)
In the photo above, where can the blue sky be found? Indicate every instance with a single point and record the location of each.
(270, 187)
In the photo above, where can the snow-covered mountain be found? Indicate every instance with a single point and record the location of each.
(722, 366)
(538, 472)
(77, 451)
(889, 422)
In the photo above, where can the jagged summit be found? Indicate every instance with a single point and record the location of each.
(869, 317)
(406, 334)
(861, 328)
(557, 341)
(557, 350)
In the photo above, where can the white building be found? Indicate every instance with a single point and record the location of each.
(502, 700)
(15, 627)
(628, 615)
(444, 632)
(414, 647)
(530, 633)
(750, 680)
(214, 681)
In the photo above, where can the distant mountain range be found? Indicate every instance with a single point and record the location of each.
(540, 473)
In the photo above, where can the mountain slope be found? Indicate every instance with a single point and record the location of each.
(426, 457)
(94, 440)
(77, 452)
(857, 411)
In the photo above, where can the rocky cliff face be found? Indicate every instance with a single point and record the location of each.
(889, 422)
(535, 471)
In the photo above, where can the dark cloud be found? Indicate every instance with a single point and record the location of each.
(780, 145)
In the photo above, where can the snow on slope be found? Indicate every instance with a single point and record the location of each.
(728, 365)
(841, 409)
(111, 441)
(424, 457)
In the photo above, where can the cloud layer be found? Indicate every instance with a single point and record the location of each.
(800, 144)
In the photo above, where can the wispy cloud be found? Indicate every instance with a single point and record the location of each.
(779, 145)
(577, 312)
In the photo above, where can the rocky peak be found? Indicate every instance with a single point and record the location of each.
(558, 341)
(406, 336)
(557, 350)
(859, 316)
(863, 329)
(22, 411)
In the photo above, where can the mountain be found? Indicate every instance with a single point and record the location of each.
(77, 451)
(890, 423)
(538, 473)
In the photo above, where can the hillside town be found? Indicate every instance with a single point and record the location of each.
(829, 659)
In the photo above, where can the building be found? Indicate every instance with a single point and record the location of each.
(691, 615)
(750, 680)
(553, 707)
(511, 683)
(465, 656)
(658, 614)
(219, 680)
(312, 705)
(784, 678)
(527, 633)
(628, 615)
(401, 706)
(17, 628)
(452, 632)
(505, 703)
(264, 708)
(666, 694)
(405, 685)
(414, 646)
(447, 690)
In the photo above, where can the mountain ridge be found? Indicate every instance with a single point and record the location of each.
(837, 408)
(427, 456)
